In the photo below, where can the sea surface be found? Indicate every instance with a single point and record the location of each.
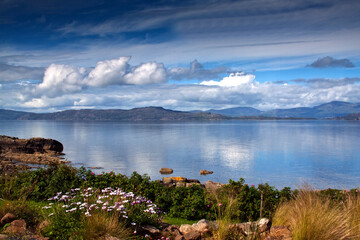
(282, 153)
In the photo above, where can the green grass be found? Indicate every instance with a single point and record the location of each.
(178, 221)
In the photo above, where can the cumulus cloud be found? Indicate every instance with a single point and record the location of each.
(61, 79)
(10, 73)
(196, 71)
(233, 80)
(326, 62)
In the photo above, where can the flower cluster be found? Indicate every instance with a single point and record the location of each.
(108, 199)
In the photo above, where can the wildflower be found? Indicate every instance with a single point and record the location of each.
(51, 214)
(133, 223)
(220, 204)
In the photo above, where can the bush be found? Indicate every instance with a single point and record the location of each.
(29, 211)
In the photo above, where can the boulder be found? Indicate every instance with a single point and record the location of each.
(179, 237)
(171, 231)
(193, 235)
(213, 186)
(17, 227)
(166, 170)
(202, 226)
(205, 172)
(186, 228)
(42, 144)
(153, 231)
(168, 180)
(7, 218)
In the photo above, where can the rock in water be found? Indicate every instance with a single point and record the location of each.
(166, 170)
(205, 172)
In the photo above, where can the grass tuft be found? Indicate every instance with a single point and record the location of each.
(101, 224)
(311, 216)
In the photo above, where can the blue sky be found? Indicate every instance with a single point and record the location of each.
(183, 55)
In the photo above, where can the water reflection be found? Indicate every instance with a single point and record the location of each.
(283, 153)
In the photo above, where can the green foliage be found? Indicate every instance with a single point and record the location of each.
(64, 225)
(248, 199)
(40, 184)
(188, 203)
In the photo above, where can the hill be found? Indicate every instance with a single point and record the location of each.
(133, 115)
(328, 110)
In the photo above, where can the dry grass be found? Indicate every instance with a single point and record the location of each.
(101, 224)
(311, 216)
(352, 206)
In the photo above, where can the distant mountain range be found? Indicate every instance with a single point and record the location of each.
(327, 110)
(333, 110)
(133, 115)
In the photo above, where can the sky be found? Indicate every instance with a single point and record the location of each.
(182, 55)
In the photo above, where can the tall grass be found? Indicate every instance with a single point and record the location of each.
(311, 216)
(100, 225)
(352, 206)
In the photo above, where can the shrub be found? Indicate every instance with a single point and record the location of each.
(28, 211)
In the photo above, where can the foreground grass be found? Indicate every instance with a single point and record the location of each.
(311, 215)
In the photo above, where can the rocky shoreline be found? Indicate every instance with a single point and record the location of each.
(20, 154)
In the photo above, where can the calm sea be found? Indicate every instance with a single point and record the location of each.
(283, 153)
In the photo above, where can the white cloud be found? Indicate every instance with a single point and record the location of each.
(146, 73)
(233, 80)
(62, 79)
(108, 72)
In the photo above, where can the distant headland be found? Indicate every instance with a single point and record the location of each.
(333, 110)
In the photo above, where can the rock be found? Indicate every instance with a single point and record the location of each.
(166, 170)
(205, 172)
(193, 181)
(168, 180)
(153, 231)
(33, 150)
(17, 227)
(7, 218)
(3, 236)
(42, 144)
(202, 226)
(192, 235)
(186, 228)
(237, 230)
(213, 186)
(263, 225)
(171, 231)
(279, 233)
(179, 237)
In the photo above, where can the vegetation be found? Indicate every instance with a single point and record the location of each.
(79, 204)
(315, 215)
